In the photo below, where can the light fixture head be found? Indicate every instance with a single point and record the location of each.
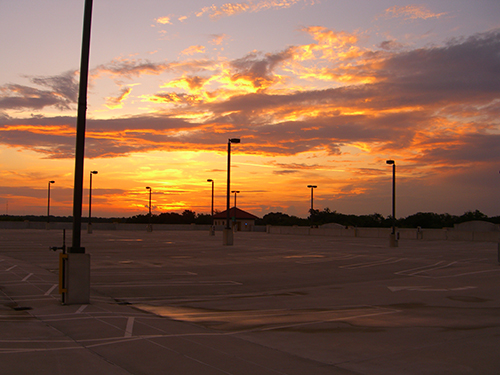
(93, 172)
(312, 186)
(390, 162)
(234, 140)
(147, 187)
(210, 180)
(52, 182)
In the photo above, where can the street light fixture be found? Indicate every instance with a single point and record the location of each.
(228, 234)
(89, 227)
(212, 229)
(150, 227)
(235, 192)
(393, 239)
(48, 203)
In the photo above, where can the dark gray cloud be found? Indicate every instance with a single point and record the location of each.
(62, 93)
(390, 45)
(259, 70)
(65, 85)
(129, 68)
(285, 172)
(467, 148)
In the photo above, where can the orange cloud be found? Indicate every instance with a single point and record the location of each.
(230, 9)
(193, 50)
(173, 98)
(218, 39)
(117, 102)
(164, 20)
(330, 45)
(412, 12)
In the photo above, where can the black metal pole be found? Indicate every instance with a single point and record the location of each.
(212, 202)
(228, 203)
(394, 198)
(312, 200)
(80, 131)
(150, 205)
(90, 199)
(48, 204)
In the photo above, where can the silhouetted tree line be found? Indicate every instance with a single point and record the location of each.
(420, 219)
(316, 218)
(187, 217)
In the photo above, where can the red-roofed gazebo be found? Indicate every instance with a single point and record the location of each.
(240, 220)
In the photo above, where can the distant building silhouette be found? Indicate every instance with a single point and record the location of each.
(240, 220)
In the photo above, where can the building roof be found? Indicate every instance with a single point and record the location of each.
(235, 212)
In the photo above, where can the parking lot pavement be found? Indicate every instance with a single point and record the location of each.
(182, 303)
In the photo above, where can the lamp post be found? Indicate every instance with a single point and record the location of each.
(212, 229)
(235, 192)
(76, 266)
(48, 203)
(312, 187)
(393, 239)
(150, 226)
(311, 211)
(89, 226)
(228, 234)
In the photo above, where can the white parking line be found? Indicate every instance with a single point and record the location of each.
(470, 273)
(167, 283)
(428, 288)
(11, 268)
(405, 272)
(373, 264)
(440, 265)
(82, 307)
(27, 277)
(130, 327)
(51, 289)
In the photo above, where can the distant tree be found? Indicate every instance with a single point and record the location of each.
(203, 219)
(279, 218)
(188, 217)
(472, 215)
(374, 220)
(169, 218)
(424, 220)
(494, 219)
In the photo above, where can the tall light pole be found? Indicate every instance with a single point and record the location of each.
(150, 227)
(228, 234)
(48, 203)
(89, 227)
(80, 132)
(311, 211)
(76, 264)
(312, 187)
(235, 192)
(393, 239)
(212, 229)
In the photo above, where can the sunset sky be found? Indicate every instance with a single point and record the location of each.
(320, 92)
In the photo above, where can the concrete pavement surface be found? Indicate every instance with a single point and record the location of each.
(182, 303)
